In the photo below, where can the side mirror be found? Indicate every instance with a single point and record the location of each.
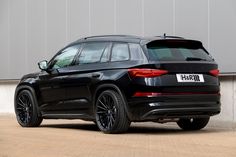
(43, 65)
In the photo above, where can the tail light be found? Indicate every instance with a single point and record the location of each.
(215, 72)
(146, 72)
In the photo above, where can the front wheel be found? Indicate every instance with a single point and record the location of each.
(193, 123)
(110, 113)
(26, 110)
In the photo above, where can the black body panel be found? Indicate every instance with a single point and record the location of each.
(71, 91)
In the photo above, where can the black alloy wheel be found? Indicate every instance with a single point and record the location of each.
(26, 110)
(110, 113)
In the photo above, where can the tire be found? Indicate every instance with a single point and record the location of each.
(193, 123)
(26, 109)
(110, 113)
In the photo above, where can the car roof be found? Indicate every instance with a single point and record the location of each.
(126, 38)
(121, 38)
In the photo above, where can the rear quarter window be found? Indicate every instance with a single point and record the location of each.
(120, 52)
(136, 52)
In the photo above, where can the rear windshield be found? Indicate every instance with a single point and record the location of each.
(177, 51)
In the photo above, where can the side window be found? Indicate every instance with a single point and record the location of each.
(91, 53)
(65, 58)
(120, 52)
(136, 52)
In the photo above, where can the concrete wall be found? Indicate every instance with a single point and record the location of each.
(7, 90)
(33, 30)
(228, 98)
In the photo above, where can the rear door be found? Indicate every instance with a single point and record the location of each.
(86, 71)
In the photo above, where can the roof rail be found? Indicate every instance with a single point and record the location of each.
(102, 36)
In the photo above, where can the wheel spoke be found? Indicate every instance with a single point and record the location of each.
(103, 104)
(112, 118)
(24, 99)
(18, 103)
(108, 102)
(113, 109)
(101, 107)
(27, 117)
(109, 121)
(21, 103)
(101, 112)
(20, 108)
(105, 101)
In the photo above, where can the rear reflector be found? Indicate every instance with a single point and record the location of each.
(146, 72)
(154, 94)
(146, 94)
(214, 72)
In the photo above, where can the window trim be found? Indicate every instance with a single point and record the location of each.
(78, 54)
(109, 46)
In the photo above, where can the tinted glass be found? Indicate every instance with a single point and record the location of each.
(65, 58)
(91, 53)
(105, 55)
(136, 52)
(120, 52)
(177, 51)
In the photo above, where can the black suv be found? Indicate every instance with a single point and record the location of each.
(114, 80)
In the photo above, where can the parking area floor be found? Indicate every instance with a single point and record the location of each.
(75, 138)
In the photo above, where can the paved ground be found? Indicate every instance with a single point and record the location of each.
(75, 138)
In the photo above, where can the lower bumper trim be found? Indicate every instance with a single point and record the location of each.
(181, 113)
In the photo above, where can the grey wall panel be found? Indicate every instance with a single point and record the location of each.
(129, 17)
(223, 33)
(158, 17)
(32, 30)
(191, 19)
(78, 19)
(56, 23)
(18, 38)
(102, 17)
(4, 39)
(36, 33)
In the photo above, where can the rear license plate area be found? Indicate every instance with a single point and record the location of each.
(190, 78)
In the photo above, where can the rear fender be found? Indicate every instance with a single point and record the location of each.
(112, 87)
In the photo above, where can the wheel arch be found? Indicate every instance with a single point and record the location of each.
(112, 86)
(28, 87)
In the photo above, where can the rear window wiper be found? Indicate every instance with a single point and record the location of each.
(195, 59)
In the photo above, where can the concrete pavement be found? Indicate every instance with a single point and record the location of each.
(75, 138)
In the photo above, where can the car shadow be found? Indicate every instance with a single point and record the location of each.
(136, 129)
(79, 126)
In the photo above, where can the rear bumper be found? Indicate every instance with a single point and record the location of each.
(173, 106)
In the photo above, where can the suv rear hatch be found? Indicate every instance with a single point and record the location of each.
(177, 67)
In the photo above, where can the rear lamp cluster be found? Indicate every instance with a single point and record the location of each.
(136, 72)
(142, 72)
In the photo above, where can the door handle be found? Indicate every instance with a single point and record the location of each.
(95, 75)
